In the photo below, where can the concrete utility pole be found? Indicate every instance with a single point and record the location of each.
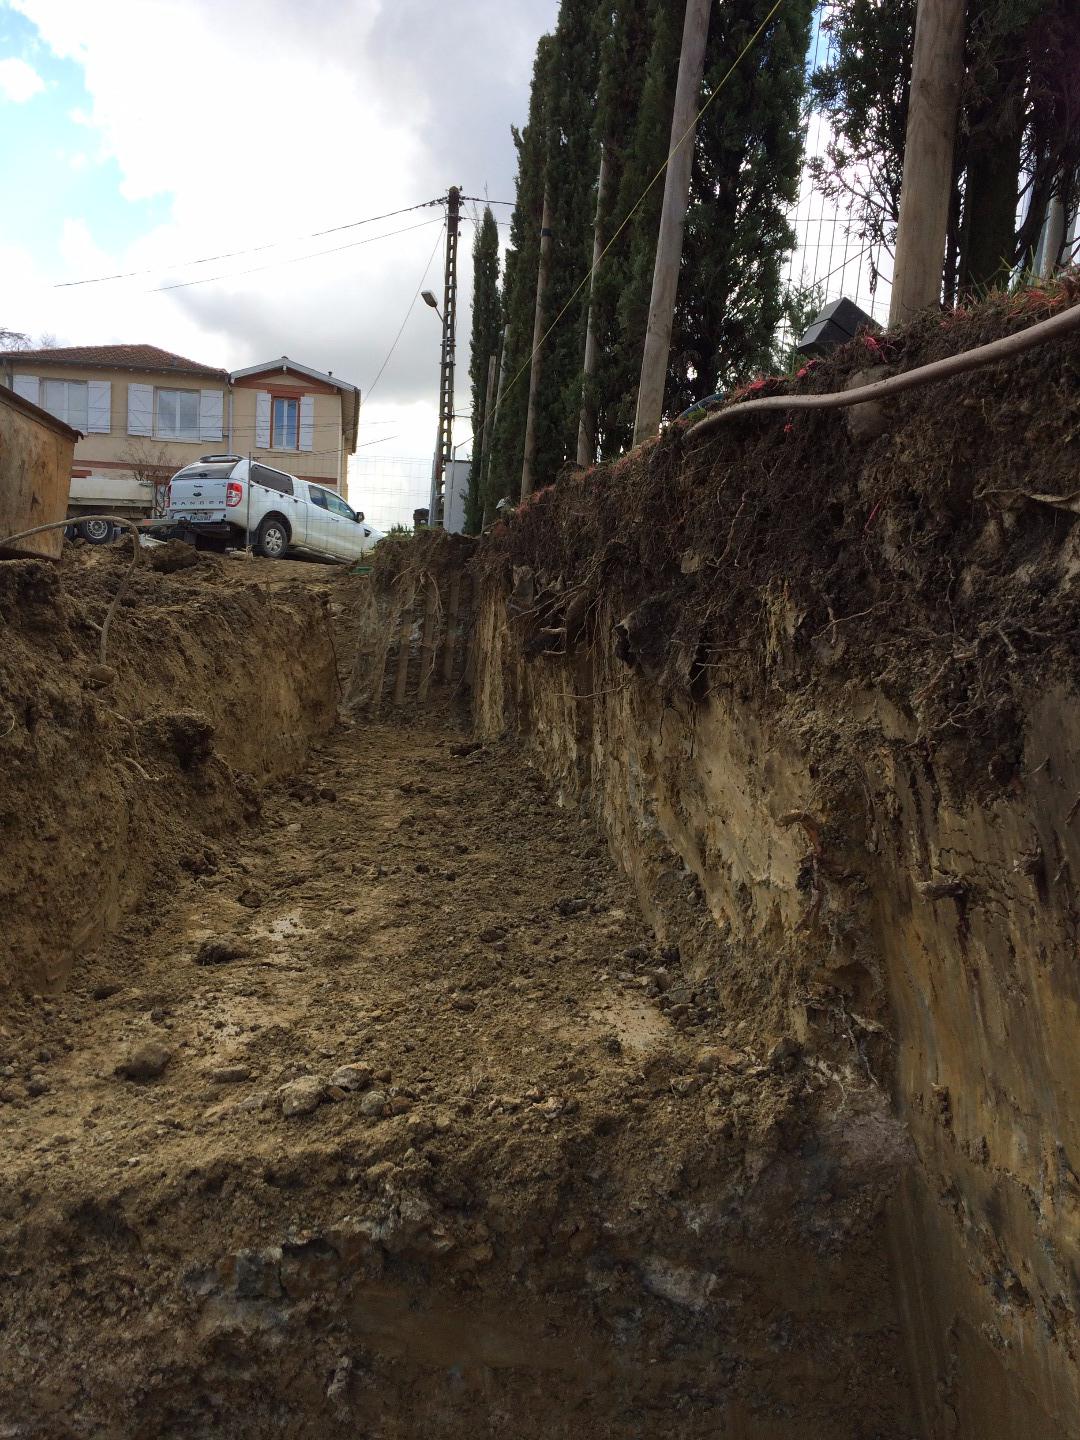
(586, 435)
(538, 335)
(444, 451)
(937, 72)
(1052, 237)
(654, 362)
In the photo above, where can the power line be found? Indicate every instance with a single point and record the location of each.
(401, 328)
(293, 260)
(251, 250)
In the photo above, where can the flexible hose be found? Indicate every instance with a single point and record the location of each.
(62, 525)
(1053, 329)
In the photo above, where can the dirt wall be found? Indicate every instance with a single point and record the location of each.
(818, 685)
(118, 774)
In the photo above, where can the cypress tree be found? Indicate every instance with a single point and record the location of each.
(519, 287)
(745, 178)
(484, 342)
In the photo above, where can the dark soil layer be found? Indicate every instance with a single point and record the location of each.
(935, 560)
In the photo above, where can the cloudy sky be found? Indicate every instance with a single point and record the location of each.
(143, 134)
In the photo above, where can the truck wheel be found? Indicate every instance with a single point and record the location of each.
(96, 532)
(272, 539)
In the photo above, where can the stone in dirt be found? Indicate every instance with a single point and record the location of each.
(374, 1103)
(250, 898)
(173, 555)
(220, 952)
(301, 1097)
(145, 1063)
(229, 1075)
(568, 906)
(351, 1077)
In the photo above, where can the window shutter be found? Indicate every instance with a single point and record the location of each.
(211, 412)
(98, 407)
(307, 422)
(27, 387)
(262, 420)
(140, 410)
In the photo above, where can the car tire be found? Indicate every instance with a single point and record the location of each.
(96, 532)
(272, 538)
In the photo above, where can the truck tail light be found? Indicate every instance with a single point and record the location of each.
(234, 493)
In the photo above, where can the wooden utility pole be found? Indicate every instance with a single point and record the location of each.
(538, 335)
(444, 451)
(586, 435)
(486, 491)
(937, 72)
(654, 362)
(476, 471)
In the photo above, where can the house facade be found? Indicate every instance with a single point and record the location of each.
(144, 413)
(296, 419)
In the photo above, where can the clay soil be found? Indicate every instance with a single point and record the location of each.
(386, 1116)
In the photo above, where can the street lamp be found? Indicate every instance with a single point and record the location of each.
(429, 299)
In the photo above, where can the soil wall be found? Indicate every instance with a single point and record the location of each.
(817, 683)
(120, 774)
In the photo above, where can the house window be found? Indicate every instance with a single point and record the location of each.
(285, 431)
(177, 414)
(66, 399)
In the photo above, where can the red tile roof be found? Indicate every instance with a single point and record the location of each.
(115, 357)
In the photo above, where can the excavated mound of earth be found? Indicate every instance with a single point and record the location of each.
(363, 1102)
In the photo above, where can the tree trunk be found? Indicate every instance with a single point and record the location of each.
(988, 246)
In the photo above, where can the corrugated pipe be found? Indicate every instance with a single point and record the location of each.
(1053, 329)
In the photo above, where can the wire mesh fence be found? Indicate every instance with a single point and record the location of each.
(831, 257)
(388, 488)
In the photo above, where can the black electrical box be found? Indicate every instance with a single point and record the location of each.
(835, 325)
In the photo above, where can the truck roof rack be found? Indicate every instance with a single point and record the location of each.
(205, 459)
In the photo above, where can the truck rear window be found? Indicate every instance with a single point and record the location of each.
(219, 471)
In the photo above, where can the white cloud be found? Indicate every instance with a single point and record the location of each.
(266, 120)
(19, 81)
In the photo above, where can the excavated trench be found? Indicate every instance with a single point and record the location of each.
(615, 980)
(345, 1089)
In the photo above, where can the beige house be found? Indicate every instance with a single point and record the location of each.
(144, 413)
(296, 419)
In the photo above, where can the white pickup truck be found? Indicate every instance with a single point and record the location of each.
(229, 500)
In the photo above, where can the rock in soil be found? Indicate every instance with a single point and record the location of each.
(301, 1097)
(351, 1077)
(220, 952)
(145, 1063)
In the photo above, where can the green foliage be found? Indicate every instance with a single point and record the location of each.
(799, 306)
(519, 288)
(1018, 138)
(607, 77)
(745, 178)
(484, 342)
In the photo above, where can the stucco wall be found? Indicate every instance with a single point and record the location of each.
(323, 462)
(117, 448)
